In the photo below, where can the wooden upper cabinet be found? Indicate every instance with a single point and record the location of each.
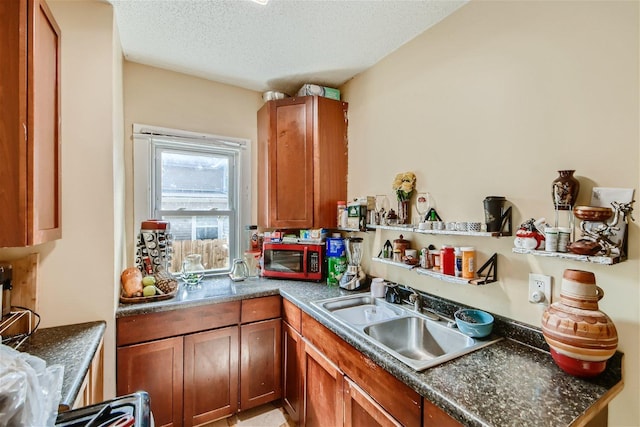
(302, 162)
(30, 186)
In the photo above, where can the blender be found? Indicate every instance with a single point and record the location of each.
(354, 278)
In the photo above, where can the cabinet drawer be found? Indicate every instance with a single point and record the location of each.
(291, 314)
(257, 309)
(395, 397)
(147, 327)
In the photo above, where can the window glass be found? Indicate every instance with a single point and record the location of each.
(204, 235)
(194, 192)
(194, 182)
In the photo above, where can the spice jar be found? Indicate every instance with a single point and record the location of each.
(401, 244)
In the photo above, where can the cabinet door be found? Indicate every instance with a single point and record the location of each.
(210, 375)
(261, 367)
(44, 198)
(285, 167)
(436, 417)
(30, 125)
(323, 395)
(155, 367)
(360, 410)
(292, 384)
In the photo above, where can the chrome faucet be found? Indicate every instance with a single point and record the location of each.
(415, 299)
(437, 316)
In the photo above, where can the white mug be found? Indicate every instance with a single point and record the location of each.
(378, 287)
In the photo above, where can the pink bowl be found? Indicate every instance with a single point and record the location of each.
(576, 367)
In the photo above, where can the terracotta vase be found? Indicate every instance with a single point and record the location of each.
(581, 337)
(564, 190)
(403, 212)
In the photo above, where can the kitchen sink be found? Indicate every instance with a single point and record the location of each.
(411, 337)
(360, 309)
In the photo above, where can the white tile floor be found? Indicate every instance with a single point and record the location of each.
(268, 415)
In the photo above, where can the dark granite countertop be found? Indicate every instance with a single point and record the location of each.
(72, 346)
(514, 382)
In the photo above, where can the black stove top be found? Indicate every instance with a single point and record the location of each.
(109, 412)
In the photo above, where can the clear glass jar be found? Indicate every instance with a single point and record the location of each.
(192, 270)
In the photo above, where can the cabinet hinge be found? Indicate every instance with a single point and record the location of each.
(24, 126)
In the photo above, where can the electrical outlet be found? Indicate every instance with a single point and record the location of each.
(539, 289)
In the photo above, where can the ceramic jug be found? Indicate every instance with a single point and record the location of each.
(581, 337)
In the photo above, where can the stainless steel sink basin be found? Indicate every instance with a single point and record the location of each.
(409, 336)
(360, 309)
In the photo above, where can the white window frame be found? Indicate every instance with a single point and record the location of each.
(145, 137)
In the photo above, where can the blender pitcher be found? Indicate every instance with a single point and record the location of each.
(354, 277)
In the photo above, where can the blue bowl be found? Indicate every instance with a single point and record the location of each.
(474, 323)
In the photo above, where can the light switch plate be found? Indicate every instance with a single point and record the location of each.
(539, 289)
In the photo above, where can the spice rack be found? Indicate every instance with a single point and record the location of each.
(490, 276)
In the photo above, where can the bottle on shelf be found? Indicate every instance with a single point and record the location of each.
(447, 260)
(468, 262)
(458, 262)
(342, 208)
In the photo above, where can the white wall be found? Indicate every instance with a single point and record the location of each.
(77, 273)
(494, 100)
(153, 96)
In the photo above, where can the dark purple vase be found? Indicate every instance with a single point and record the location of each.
(564, 190)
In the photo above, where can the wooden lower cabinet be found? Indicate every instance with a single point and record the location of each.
(210, 375)
(292, 380)
(323, 394)
(202, 363)
(261, 367)
(155, 367)
(403, 403)
(436, 417)
(360, 410)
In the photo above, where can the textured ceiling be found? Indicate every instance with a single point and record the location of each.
(279, 46)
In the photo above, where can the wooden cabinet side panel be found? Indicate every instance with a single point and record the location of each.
(13, 110)
(266, 126)
(155, 367)
(210, 375)
(434, 416)
(96, 376)
(292, 372)
(292, 315)
(360, 410)
(44, 153)
(148, 327)
(323, 390)
(403, 403)
(256, 309)
(261, 363)
(330, 150)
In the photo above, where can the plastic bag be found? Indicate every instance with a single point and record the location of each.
(30, 391)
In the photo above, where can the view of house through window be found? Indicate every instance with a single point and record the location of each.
(194, 191)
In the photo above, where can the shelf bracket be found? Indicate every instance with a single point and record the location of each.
(492, 272)
(432, 215)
